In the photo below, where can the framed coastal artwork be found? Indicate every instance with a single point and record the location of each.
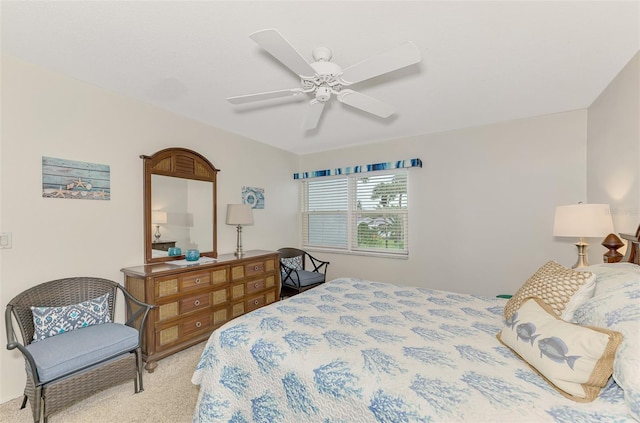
(72, 179)
(253, 196)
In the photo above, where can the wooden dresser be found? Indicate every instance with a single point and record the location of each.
(191, 301)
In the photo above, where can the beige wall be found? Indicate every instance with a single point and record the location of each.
(613, 153)
(45, 114)
(482, 206)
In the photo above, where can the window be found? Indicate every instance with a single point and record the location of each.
(363, 213)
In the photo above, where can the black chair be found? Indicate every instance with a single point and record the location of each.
(66, 368)
(296, 276)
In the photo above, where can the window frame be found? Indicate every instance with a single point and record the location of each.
(351, 213)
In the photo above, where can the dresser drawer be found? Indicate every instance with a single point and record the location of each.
(184, 329)
(258, 301)
(255, 285)
(196, 324)
(255, 302)
(194, 280)
(187, 305)
(255, 268)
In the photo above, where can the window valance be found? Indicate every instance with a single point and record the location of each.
(399, 164)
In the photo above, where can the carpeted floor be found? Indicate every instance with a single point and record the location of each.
(169, 396)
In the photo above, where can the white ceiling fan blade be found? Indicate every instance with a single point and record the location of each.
(313, 114)
(272, 41)
(240, 99)
(366, 103)
(399, 57)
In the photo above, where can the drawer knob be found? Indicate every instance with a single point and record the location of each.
(198, 324)
(257, 285)
(197, 280)
(196, 303)
(256, 268)
(256, 302)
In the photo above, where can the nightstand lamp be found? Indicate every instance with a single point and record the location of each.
(158, 218)
(239, 214)
(582, 221)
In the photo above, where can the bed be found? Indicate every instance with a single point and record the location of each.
(353, 350)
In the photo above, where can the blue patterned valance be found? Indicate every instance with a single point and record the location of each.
(399, 164)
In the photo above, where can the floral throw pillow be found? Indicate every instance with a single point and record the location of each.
(51, 321)
(293, 262)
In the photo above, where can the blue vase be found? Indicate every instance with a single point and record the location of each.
(192, 255)
(174, 251)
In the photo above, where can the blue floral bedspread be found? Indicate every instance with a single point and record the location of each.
(358, 351)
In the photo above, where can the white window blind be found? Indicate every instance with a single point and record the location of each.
(356, 213)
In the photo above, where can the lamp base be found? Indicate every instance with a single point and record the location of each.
(582, 255)
(239, 251)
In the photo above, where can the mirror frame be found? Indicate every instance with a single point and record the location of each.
(178, 163)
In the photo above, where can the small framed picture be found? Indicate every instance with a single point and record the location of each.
(253, 196)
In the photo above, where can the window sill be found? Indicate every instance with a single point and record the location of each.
(358, 253)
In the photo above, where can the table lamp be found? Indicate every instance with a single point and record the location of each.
(158, 218)
(582, 221)
(239, 214)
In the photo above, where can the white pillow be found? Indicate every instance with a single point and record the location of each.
(609, 276)
(576, 360)
(618, 307)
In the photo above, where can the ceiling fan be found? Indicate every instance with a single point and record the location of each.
(322, 78)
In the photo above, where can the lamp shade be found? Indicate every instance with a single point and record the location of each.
(158, 217)
(239, 214)
(583, 221)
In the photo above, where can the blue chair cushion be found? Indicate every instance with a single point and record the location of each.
(66, 353)
(306, 278)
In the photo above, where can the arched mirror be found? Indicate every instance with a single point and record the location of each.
(179, 204)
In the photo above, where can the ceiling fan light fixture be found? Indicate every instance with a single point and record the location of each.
(323, 94)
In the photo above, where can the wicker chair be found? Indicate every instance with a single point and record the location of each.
(48, 395)
(293, 268)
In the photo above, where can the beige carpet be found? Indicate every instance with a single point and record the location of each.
(169, 396)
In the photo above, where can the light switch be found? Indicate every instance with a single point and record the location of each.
(5, 239)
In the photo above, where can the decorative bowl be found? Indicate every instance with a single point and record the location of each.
(174, 251)
(192, 255)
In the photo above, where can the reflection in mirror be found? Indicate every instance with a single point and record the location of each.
(188, 205)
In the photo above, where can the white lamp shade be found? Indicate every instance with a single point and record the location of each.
(239, 214)
(583, 221)
(158, 217)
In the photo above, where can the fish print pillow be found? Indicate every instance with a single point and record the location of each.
(576, 360)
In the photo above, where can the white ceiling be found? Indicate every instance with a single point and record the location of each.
(483, 62)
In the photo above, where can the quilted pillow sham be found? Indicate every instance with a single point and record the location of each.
(576, 360)
(563, 289)
(51, 321)
(618, 308)
(611, 276)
